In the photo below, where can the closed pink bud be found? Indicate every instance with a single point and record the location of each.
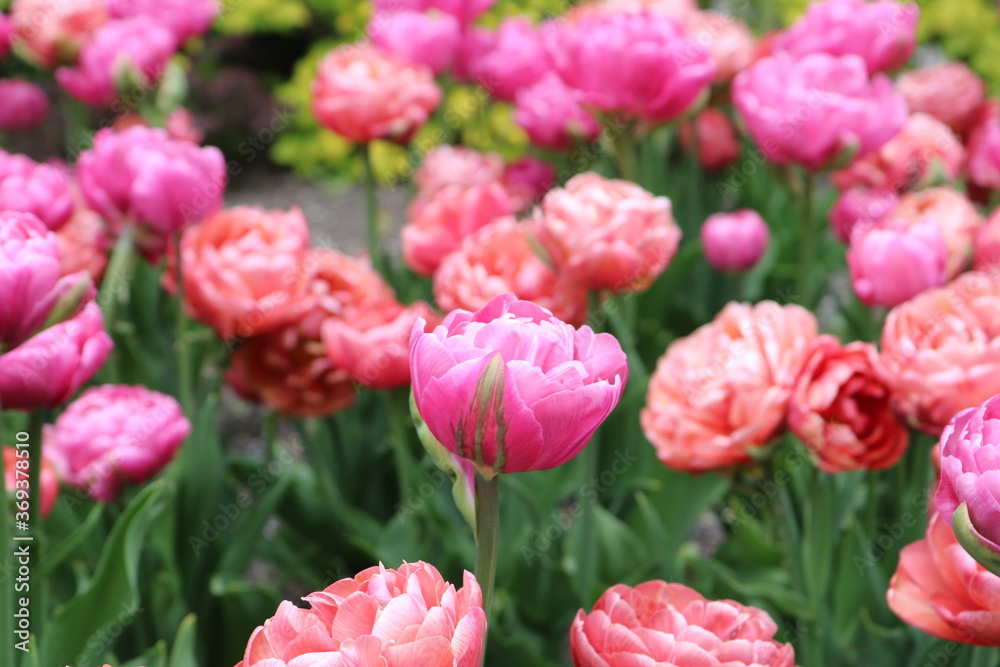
(735, 241)
(113, 436)
(891, 263)
(436, 224)
(23, 105)
(983, 146)
(48, 368)
(429, 39)
(729, 42)
(860, 208)
(951, 92)
(657, 623)
(607, 234)
(84, 244)
(52, 33)
(6, 33)
(511, 387)
(642, 65)
(954, 214)
(456, 165)
(134, 50)
(553, 114)
(818, 109)
(514, 60)
(40, 189)
(180, 125)
(986, 255)
(48, 479)
(714, 138)
(527, 180)
(400, 618)
(464, 10)
(883, 33)
(184, 18)
(364, 94)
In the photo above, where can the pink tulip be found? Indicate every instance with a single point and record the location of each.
(436, 225)
(954, 214)
(681, 11)
(84, 244)
(23, 105)
(817, 110)
(51, 33)
(883, 33)
(715, 139)
(983, 147)
(363, 94)
(642, 65)
(720, 395)
(115, 435)
(729, 42)
(735, 241)
(657, 623)
(184, 18)
(554, 116)
(514, 60)
(465, 11)
(48, 368)
(951, 92)
(526, 181)
(6, 34)
(35, 295)
(986, 257)
(860, 208)
(40, 189)
(512, 388)
(456, 165)
(893, 262)
(48, 480)
(429, 39)
(409, 617)
(607, 234)
(128, 52)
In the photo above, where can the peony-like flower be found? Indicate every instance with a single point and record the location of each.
(23, 105)
(860, 208)
(657, 623)
(456, 165)
(954, 214)
(40, 189)
(83, 244)
(883, 33)
(421, 38)
(33, 292)
(436, 224)
(986, 254)
(840, 408)
(51, 33)
(513, 59)
(465, 11)
(729, 42)
(500, 259)
(122, 53)
(951, 92)
(48, 479)
(553, 114)
(713, 137)
(735, 241)
(892, 261)
(397, 618)
(115, 435)
(363, 94)
(48, 368)
(526, 181)
(721, 393)
(243, 270)
(925, 152)
(939, 589)
(817, 110)
(941, 350)
(640, 64)
(512, 388)
(983, 147)
(184, 18)
(681, 11)
(607, 234)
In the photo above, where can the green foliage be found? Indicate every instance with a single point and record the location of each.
(249, 16)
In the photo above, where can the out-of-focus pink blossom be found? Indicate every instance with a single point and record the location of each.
(735, 241)
(515, 59)
(40, 189)
(23, 105)
(951, 92)
(714, 138)
(729, 41)
(180, 125)
(679, 10)
(6, 32)
(52, 32)
(983, 147)
(553, 114)
(184, 18)
(423, 38)
(893, 262)
(14, 460)
(954, 214)
(986, 247)
(860, 208)
(465, 11)
(456, 165)
(527, 180)
(84, 244)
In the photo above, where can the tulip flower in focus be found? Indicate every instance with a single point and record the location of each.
(893, 262)
(735, 241)
(511, 387)
(713, 137)
(48, 479)
(860, 208)
(23, 105)
(951, 92)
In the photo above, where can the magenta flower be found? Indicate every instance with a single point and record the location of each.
(6, 32)
(429, 39)
(860, 208)
(24, 105)
(40, 189)
(513, 60)
(553, 115)
(465, 11)
(893, 262)
(735, 241)
(511, 387)
(184, 18)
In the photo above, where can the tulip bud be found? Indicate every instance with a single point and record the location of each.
(735, 241)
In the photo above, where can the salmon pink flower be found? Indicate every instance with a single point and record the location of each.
(986, 255)
(48, 478)
(953, 213)
(51, 33)
(729, 42)
(951, 92)
(456, 165)
(713, 137)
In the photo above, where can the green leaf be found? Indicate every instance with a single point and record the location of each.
(183, 653)
(72, 541)
(248, 526)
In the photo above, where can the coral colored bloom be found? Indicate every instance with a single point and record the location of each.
(511, 387)
(48, 479)
(115, 435)
(722, 392)
(363, 94)
(729, 42)
(925, 152)
(642, 65)
(436, 224)
(84, 244)
(553, 114)
(939, 589)
(951, 92)
(513, 59)
(860, 208)
(883, 33)
(464, 10)
(500, 259)
(657, 623)
(23, 105)
(430, 39)
(456, 165)
(840, 408)
(184, 18)
(954, 214)
(941, 350)
(735, 241)
(607, 234)
(817, 110)
(33, 292)
(48, 368)
(986, 255)
(397, 618)
(242, 270)
(892, 262)
(983, 147)
(40, 189)
(714, 137)
(527, 180)
(52, 32)
(180, 125)
(134, 50)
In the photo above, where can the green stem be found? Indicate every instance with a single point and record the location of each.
(487, 535)
(115, 290)
(807, 258)
(624, 149)
(180, 339)
(371, 214)
(39, 603)
(7, 655)
(78, 135)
